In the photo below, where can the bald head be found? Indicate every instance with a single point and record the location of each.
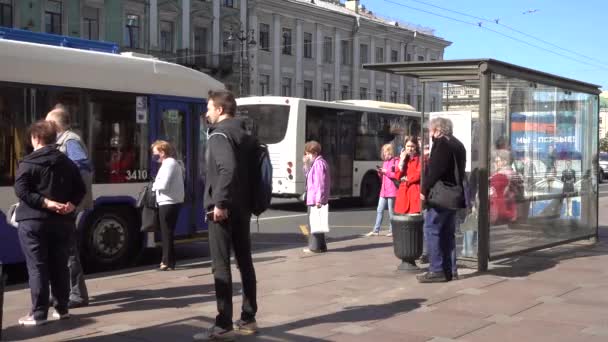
(61, 117)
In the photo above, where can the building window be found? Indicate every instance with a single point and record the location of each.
(307, 45)
(394, 56)
(166, 36)
(408, 98)
(6, 13)
(394, 96)
(308, 89)
(421, 58)
(363, 93)
(90, 21)
(345, 46)
(286, 41)
(286, 87)
(379, 55)
(264, 85)
(326, 91)
(364, 53)
(132, 31)
(433, 104)
(228, 3)
(379, 95)
(345, 93)
(408, 57)
(200, 46)
(265, 37)
(419, 101)
(328, 50)
(53, 16)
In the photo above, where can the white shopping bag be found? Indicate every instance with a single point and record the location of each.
(319, 219)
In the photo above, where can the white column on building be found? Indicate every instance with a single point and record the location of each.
(153, 36)
(319, 45)
(337, 64)
(254, 56)
(244, 15)
(215, 48)
(186, 24)
(402, 57)
(299, 58)
(387, 77)
(356, 67)
(372, 74)
(277, 44)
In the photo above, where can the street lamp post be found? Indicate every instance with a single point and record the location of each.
(246, 38)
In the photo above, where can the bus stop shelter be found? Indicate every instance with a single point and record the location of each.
(532, 161)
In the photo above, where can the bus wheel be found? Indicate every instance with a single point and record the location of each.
(109, 237)
(370, 190)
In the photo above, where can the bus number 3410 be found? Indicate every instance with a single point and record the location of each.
(137, 175)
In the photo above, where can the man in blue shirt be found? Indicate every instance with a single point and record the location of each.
(72, 145)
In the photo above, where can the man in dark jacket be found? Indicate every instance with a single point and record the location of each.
(227, 200)
(49, 187)
(447, 153)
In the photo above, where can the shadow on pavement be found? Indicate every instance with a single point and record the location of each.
(283, 332)
(356, 248)
(19, 333)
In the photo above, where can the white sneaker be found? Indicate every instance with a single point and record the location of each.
(57, 315)
(245, 328)
(372, 233)
(215, 333)
(389, 234)
(29, 320)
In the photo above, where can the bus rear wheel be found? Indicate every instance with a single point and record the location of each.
(110, 237)
(370, 190)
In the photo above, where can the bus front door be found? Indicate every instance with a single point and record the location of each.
(178, 122)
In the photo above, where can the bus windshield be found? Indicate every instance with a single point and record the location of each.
(267, 122)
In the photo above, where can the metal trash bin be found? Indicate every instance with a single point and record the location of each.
(408, 239)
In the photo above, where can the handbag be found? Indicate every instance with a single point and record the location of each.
(11, 215)
(446, 195)
(146, 201)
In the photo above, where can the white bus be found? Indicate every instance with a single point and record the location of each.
(351, 134)
(119, 103)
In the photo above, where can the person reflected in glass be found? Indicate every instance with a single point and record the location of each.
(568, 179)
(388, 189)
(502, 192)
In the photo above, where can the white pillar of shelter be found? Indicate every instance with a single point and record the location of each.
(402, 57)
(299, 58)
(387, 75)
(318, 46)
(215, 48)
(253, 57)
(153, 24)
(355, 85)
(372, 74)
(185, 24)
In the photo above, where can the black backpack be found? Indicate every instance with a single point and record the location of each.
(261, 179)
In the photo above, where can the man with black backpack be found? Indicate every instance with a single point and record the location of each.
(228, 200)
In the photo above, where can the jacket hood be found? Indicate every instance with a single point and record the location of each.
(45, 156)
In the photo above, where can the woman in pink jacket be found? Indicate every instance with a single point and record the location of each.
(317, 192)
(388, 189)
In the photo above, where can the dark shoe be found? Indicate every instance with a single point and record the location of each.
(431, 277)
(72, 304)
(424, 259)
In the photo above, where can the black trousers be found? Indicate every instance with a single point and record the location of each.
(45, 245)
(78, 287)
(167, 215)
(233, 232)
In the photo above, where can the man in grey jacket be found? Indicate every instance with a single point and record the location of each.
(72, 146)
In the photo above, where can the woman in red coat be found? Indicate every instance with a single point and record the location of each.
(408, 195)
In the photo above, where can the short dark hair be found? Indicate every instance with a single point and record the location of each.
(224, 99)
(44, 130)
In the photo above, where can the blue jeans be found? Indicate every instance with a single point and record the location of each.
(382, 201)
(440, 231)
(469, 243)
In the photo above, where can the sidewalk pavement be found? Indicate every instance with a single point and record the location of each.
(353, 293)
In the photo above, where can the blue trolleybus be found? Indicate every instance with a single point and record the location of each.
(119, 103)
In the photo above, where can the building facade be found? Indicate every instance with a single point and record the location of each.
(301, 48)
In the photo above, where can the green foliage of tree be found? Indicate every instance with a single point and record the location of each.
(604, 144)
(603, 102)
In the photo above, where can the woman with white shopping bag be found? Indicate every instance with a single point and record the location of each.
(317, 196)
